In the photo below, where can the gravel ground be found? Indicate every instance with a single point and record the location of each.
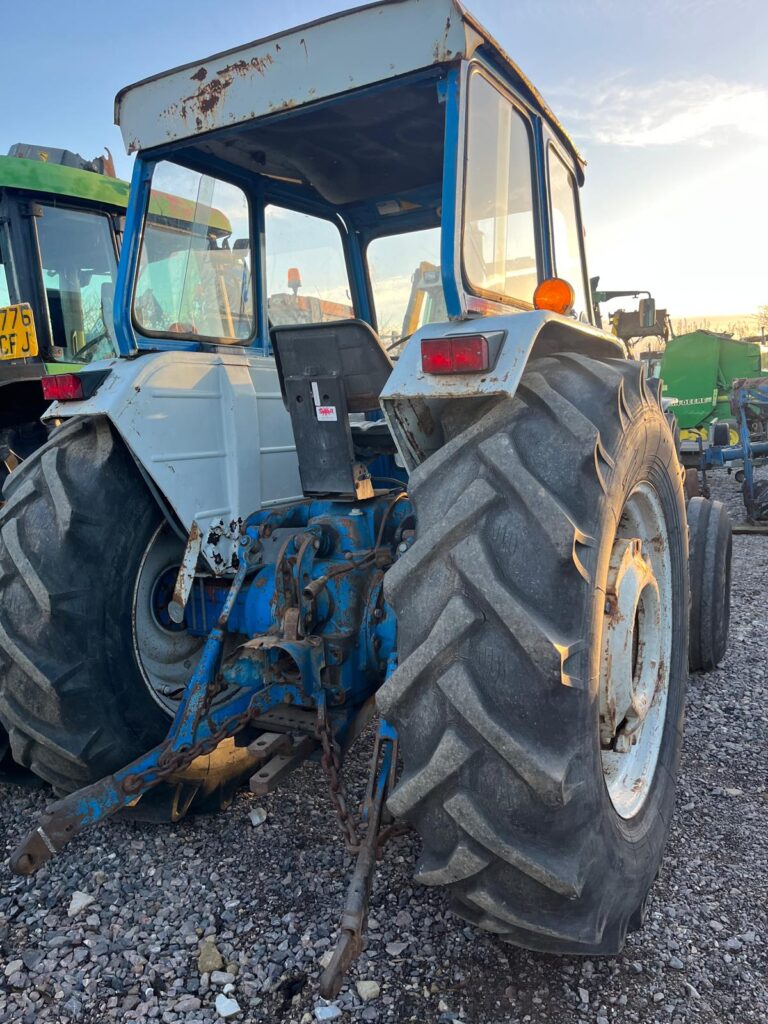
(267, 898)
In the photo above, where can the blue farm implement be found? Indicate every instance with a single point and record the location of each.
(364, 450)
(749, 404)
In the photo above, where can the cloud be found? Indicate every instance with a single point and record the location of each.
(703, 112)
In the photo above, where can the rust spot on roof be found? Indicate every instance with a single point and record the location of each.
(242, 67)
(208, 96)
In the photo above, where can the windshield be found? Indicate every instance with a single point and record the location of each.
(79, 263)
(405, 280)
(195, 264)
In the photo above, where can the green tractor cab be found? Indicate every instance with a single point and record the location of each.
(61, 219)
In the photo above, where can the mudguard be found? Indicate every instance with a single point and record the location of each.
(412, 399)
(210, 431)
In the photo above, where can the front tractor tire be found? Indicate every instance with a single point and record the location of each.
(543, 642)
(88, 675)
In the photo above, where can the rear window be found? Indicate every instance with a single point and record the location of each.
(195, 265)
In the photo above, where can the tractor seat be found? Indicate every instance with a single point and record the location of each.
(348, 350)
(330, 372)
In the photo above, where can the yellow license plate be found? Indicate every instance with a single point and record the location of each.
(18, 338)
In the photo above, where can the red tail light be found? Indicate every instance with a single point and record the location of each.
(63, 387)
(73, 387)
(465, 353)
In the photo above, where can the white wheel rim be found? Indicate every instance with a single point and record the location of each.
(636, 651)
(166, 657)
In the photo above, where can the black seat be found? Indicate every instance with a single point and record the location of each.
(347, 349)
(326, 371)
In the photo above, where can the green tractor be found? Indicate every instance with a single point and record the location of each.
(698, 371)
(60, 223)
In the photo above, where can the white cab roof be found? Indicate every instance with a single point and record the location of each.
(333, 55)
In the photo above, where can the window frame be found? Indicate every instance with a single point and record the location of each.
(207, 342)
(476, 68)
(551, 148)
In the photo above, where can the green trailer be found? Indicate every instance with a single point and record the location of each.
(698, 370)
(61, 219)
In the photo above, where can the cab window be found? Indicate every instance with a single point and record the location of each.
(404, 272)
(79, 263)
(499, 244)
(306, 272)
(195, 264)
(5, 295)
(566, 230)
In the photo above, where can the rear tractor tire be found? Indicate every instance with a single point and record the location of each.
(543, 637)
(90, 672)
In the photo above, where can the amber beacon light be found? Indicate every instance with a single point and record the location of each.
(555, 294)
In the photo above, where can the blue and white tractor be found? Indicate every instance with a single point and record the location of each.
(366, 449)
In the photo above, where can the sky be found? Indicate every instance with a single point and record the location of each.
(666, 99)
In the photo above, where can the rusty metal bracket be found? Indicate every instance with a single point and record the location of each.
(186, 575)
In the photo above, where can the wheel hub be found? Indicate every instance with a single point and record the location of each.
(635, 654)
(166, 653)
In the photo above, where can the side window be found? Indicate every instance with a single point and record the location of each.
(5, 295)
(407, 288)
(499, 224)
(6, 266)
(79, 266)
(307, 280)
(569, 251)
(195, 264)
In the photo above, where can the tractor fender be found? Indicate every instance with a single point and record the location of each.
(415, 402)
(210, 432)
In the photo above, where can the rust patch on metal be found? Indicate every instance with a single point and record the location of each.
(242, 67)
(209, 95)
(440, 50)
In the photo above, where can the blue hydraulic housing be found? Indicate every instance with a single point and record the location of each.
(311, 611)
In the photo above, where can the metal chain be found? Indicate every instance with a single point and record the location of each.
(172, 761)
(331, 765)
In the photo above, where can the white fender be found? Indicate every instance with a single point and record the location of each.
(210, 430)
(411, 398)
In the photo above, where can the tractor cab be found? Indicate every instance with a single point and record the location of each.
(429, 166)
(426, 183)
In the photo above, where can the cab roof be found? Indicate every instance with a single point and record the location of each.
(57, 179)
(324, 58)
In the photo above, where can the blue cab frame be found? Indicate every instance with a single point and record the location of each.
(461, 301)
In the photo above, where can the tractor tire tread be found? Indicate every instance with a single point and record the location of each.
(541, 884)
